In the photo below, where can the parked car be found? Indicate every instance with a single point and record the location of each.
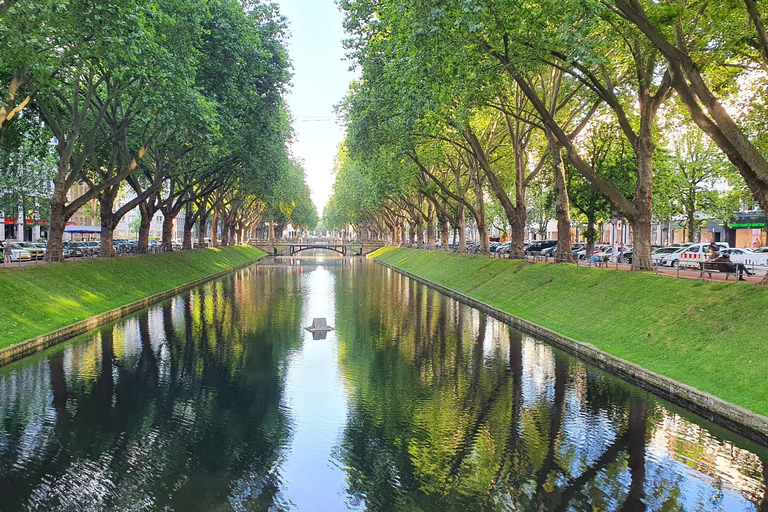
(74, 249)
(503, 248)
(576, 247)
(18, 253)
(659, 254)
(36, 252)
(626, 256)
(672, 259)
(747, 257)
(539, 245)
(696, 253)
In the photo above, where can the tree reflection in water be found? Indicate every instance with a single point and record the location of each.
(156, 412)
(451, 410)
(184, 407)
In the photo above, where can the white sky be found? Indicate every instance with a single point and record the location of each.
(321, 79)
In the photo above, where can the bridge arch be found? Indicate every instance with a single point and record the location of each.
(341, 249)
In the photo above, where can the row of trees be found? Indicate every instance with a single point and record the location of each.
(181, 102)
(642, 109)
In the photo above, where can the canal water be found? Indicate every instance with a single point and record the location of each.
(219, 399)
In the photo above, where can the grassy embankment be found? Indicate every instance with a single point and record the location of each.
(710, 335)
(38, 299)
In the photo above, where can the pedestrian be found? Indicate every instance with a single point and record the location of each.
(714, 250)
(7, 252)
(739, 268)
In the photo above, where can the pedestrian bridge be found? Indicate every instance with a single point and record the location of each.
(343, 248)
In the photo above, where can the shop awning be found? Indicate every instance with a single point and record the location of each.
(82, 229)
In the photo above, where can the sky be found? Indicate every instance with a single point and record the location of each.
(321, 79)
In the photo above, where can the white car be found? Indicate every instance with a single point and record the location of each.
(672, 259)
(661, 253)
(19, 254)
(748, 257)
(694, 254)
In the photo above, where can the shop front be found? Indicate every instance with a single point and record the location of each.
(747, 230)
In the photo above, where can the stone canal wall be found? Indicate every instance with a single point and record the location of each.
(737, 419)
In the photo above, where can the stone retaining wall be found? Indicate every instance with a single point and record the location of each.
(34, 345)
(732, 417)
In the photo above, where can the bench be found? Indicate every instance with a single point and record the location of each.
(721, 267)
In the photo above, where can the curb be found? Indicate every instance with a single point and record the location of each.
(732, 417)
(34, 345)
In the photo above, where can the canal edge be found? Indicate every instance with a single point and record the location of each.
(737, 419)
(37, 344)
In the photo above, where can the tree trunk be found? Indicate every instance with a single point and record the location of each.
(144, 224)
(430, 226)
(186, 242)
(482, 222)
(462, 229)
(168, 230)
(225, 233)
(55, 251)
(562, 206)
(641, 250)
(215, 228)
(201, 225)
(691, 214)
(420, 232)
(445, 230)
(642, 203)
(108, 221)
(411, 234)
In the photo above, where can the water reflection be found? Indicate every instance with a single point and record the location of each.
(219, 400)
(451, 410)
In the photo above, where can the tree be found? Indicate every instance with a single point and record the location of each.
(27, 164)
(689, 179)
(683, 34)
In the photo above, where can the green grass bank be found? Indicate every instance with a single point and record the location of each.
(712, 336)
(38, 299)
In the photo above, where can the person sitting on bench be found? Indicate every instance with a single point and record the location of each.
(733, 267)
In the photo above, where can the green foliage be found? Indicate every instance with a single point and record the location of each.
(27, 165)
(183, 97)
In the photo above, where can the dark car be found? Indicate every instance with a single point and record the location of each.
(74, 249)
(540, 245)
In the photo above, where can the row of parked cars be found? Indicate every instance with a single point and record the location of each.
(30, 251)
(662, 255)
(689, 254)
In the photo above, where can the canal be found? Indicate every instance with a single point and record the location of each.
(219, 399)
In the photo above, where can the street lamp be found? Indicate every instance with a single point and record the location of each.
(616, 223)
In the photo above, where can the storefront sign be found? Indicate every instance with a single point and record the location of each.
(746, 225)
(748, 222)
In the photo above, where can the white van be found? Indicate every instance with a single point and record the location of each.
(696, 253)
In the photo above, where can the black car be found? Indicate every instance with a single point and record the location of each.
(540, 245)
